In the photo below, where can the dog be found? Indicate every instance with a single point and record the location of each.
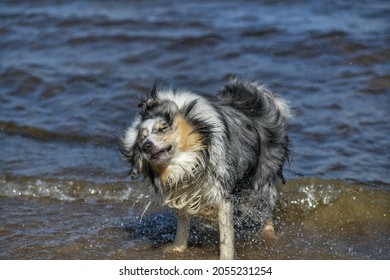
(215, 157)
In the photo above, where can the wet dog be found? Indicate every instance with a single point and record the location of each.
(216, 157)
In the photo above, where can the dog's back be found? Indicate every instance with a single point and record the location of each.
(256, 123)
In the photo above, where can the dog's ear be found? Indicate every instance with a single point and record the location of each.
(153, 92)
(151, 99)
(133, 156)
(147, 104)
(137, 165)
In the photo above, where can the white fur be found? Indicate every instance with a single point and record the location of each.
(282, 104)
(131, 133)
(148, 125)
(183, 164)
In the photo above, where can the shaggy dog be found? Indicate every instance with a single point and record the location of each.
(216, 157)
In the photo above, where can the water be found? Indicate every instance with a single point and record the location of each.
(72, 73)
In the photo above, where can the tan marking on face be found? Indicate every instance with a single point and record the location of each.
(190, 140)
(183, 138)
(143, 133)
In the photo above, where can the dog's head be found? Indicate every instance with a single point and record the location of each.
(161, 136)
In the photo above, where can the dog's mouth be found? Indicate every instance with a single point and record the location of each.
(161, 152)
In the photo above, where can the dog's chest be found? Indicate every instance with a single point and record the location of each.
(192, 199)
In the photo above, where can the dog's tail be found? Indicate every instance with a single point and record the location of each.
(283, 106)
(245, 96)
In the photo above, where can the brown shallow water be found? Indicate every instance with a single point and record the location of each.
(317, 219)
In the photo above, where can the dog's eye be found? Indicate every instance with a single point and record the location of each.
(164, 126)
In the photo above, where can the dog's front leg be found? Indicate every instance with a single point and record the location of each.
(182, 232)
(226, 230)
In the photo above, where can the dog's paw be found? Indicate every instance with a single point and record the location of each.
(171, 248)
(268, 231)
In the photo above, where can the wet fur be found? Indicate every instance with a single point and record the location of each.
(217, 157)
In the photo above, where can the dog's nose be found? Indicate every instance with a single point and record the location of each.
(147, 147)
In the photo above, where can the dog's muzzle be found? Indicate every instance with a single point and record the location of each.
(154, 152)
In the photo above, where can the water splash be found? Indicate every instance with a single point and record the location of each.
(311, 196)
(67, 190)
